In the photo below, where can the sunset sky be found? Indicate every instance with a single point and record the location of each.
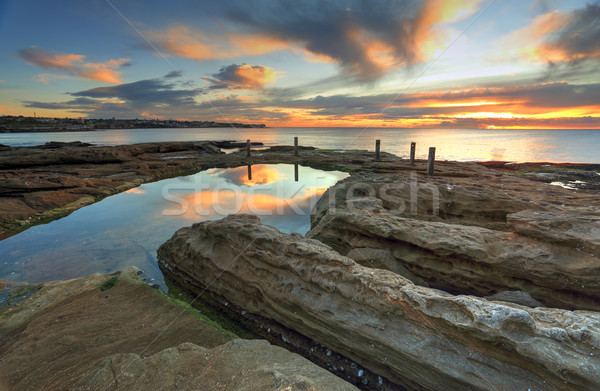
(404, 63)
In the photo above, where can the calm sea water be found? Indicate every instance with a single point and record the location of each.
(556, 145)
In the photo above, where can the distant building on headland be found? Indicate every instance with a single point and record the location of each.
(10, 123)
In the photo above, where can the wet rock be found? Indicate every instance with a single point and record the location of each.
(238, 365)
(414, 336)
(61, 144)
(229, 144)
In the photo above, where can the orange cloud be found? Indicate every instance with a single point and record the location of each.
(243, 76)
(527, 43)
(72, 64)
(350, 38)
(104, 72)
(184, 42)
(555, 37)
(189, 43)
(145, 114)
(429, 37)
(253, 76)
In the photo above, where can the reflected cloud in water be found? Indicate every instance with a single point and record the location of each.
(127, 229)
(262, 174)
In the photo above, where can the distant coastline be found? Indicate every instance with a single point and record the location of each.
(21, 124)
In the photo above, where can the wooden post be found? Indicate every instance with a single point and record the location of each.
(430, 160)
(377, 148)
(296, 172)
(412, 153)
(295, 146)
(247, 148)
(249, 172)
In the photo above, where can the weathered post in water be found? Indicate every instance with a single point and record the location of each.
(296, 172)
(295, 146)
(430, 160)
(249, 172)
(413, 146)
(247, 148)
(377, 147)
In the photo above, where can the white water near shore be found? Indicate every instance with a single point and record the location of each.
(550, 145)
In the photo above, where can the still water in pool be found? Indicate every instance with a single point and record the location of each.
(126, 229)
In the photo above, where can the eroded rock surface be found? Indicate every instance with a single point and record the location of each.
(491, 245)
(116, 327)
(414, 336)
(67, 328)
(238, 365)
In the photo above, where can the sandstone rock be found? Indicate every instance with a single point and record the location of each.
(560, 270)
(516, 297)
(412, 335)
(67, 328)
(19, 158)
(429, 199)
(238, 365)
(571, 227)
(382, 259)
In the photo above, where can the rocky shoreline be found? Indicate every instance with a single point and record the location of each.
(483, 276)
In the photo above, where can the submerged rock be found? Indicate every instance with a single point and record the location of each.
(414, 336)
(238, 365)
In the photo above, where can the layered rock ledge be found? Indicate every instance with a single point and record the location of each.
(467, 240)
(417, 337)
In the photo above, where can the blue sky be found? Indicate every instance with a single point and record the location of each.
(412, 63)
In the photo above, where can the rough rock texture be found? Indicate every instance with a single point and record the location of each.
(238, 365)
(415, 336)
(67, 328)
(550, 253)
(577, 228)
(517, 297)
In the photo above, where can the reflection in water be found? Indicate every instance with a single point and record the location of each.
(127, 229)
(259, 174)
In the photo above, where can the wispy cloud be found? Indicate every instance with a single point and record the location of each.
(365, 38)
(579, 38)
(556, 38)
(188, 42)
(73, 64)
(46, 77)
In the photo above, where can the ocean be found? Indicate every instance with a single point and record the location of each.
(540, 145)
